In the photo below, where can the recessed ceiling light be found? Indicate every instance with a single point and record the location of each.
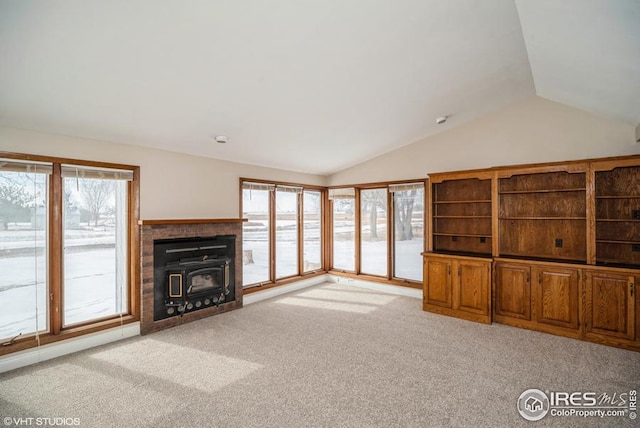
(221, 139)
(441, 120)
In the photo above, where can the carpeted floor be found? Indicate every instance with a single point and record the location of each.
(328, 356)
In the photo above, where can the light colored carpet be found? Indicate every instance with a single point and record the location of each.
(328, 356)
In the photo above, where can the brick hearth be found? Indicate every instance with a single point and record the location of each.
(151, 230)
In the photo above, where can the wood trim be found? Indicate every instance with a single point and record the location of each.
(53, 159)
(357, 263)
(495, 214)
(45, 339)
(390, 235)
(428, 207)
(591, 216)
(379, 279)
(608, 164)
(378, 184)
(56, 250)
(281, 183)
(190, 221)
(480, 174)
(134, 245)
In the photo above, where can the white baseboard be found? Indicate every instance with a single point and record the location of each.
(269, 293)
(377, 286)
(69, 346)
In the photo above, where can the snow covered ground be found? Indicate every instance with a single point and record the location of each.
(89, 278)
(408, 258)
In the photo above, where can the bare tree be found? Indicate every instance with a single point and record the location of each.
(370, 204)
(14, 204)
(403, 211)
(96, 195)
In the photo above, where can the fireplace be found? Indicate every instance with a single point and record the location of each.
(191, 274)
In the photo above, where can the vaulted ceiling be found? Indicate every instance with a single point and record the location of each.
(303, 85)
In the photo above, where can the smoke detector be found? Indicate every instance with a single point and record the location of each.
(221, 139)
(441, 120)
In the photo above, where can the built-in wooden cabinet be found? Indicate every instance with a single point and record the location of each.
(610, 306)
(458, 286)
(564, 239)
(537, 296)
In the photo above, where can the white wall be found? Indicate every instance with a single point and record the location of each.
(535, 130)
(172, 185)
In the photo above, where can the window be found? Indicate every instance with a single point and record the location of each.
(66, 248)
(311, 230)
(343, 228)
(373, 231)
(23, 248)
(256, 203)
(408, 230)
(390, 230)
(283, 235)
(287, 231)
(95, 243)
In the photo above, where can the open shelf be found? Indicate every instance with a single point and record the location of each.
(619, 197)
(461, 214)
(467, 235)
(470, 201)
(543, 215)
(524, 192)
(617, 208)
(542, 218)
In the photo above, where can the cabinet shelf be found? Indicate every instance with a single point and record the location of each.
(521, 192)
(542, 218)
(463, 216)
(618, 220)
(616, 241)
(619, 197)
(462, 235)
(478, 201)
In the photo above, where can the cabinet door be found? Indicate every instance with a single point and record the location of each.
(556, 296)
(513, 291)
(472, 290)
(437, 282)
(610, 305)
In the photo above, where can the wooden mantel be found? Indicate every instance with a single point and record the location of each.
(191, 221)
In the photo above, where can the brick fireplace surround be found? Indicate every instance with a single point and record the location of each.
(151, 230)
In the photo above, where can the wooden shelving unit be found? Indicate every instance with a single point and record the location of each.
(617, 215)
(461, 216)
(562, 240)
(543, 215)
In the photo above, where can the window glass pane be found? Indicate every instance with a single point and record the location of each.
(23, 253)
(286, 234)
(312, 229)
(255, 236)
(373, 231)
(344, 249)
(408, 240)
(95, 249)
